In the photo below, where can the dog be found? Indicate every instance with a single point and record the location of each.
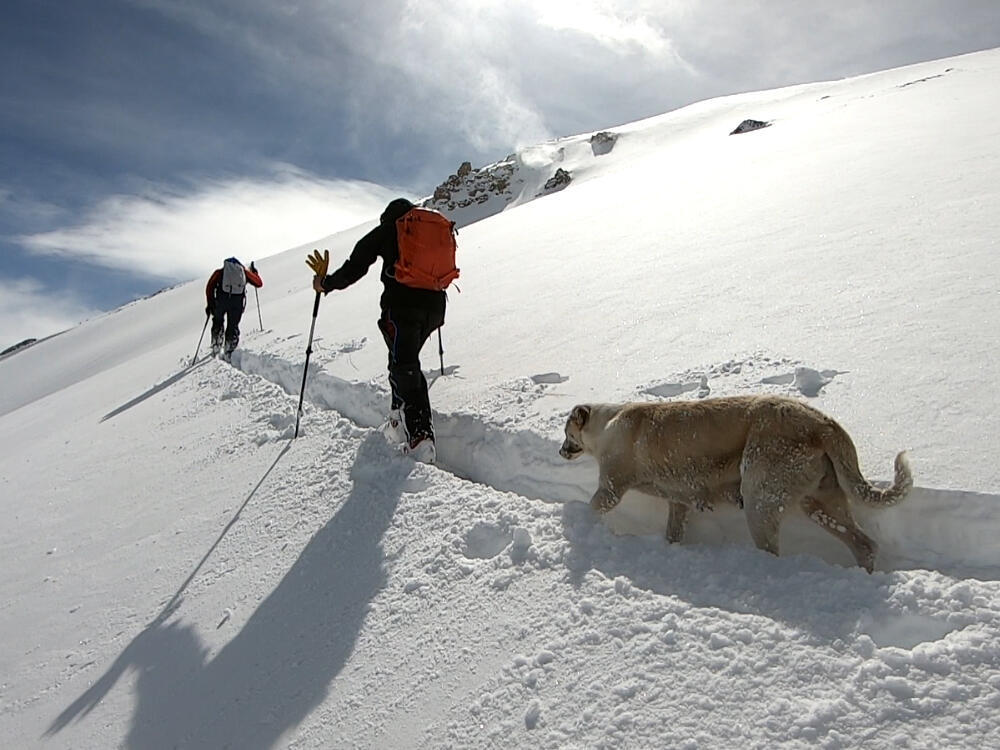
(762, 453)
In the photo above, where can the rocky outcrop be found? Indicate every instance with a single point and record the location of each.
(469, 187)
(748, 125)
(556, 182)
(602, 143)
(471, 194)
(18, 346)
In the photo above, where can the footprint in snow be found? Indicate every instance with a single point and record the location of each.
(352, 346)
(485, 540)
(280, 421)
(549, 378)
(905, 631)
(669, 390)
(805, 380)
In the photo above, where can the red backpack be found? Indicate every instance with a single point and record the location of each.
(426, 240)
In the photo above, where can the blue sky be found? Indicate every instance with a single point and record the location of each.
(142, 141)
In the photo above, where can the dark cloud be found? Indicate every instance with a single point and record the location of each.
(401, 93)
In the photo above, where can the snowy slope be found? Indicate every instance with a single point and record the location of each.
(178, 573)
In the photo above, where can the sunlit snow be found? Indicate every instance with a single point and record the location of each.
(177, 572)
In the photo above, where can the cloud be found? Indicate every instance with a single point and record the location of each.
(174, 235)
(29, 310)
(410, 84)
(619, 29)
(402, 92)
(29, 211)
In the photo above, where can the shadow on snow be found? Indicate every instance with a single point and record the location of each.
(279, 667)
(156, 388)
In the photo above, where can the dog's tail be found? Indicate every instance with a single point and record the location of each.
(844, 456)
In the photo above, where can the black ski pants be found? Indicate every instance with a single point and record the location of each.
(405, 330)
(229, 307)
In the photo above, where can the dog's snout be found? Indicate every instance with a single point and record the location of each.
(570, 450)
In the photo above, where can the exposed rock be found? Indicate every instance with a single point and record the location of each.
(20, 345)
(470, 187)
(556, 182)
(602, 143)
(747, 125)
(472, 193)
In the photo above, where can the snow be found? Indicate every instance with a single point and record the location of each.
(178, 572)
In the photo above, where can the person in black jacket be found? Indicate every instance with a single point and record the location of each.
(408, 318)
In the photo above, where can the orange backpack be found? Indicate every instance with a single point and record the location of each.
(427, 247)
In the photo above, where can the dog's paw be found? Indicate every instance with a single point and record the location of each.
(603, 501)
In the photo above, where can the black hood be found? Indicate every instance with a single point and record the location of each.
(394, 210)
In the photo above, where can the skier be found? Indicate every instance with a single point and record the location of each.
(409, 315)
(226, 296)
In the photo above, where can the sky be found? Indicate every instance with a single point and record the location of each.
(177, 569)
(224, 125)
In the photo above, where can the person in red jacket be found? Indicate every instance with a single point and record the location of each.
(226, 296)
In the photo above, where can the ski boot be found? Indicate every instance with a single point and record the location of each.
(422, 449)
(393, 429)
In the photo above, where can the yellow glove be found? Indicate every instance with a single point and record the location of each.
(319, 263)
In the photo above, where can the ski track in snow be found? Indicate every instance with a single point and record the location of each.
(918, 534)
(890, 658)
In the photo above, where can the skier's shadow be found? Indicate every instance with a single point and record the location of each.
(269, 677)
(156, 388)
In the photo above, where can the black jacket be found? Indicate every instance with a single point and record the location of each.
(380, 242)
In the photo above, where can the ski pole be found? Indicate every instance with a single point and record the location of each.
(441, 351)
(305, 367)
(256, 295)
(203, 328)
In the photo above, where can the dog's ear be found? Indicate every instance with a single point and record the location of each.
(580, 415)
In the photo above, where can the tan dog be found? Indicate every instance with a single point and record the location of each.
(764, 453)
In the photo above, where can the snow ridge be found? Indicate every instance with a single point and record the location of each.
(920, 533)
(464, 441)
